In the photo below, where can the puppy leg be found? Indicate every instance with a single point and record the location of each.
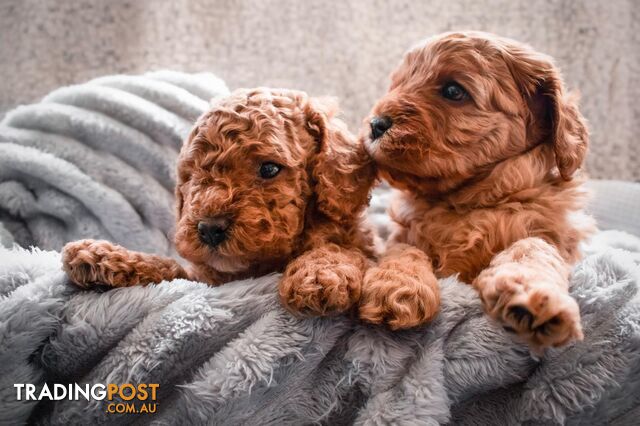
(525, 288)
(401, 291)
(324, 280)
(88, 262)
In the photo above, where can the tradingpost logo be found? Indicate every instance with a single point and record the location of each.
(120, 399)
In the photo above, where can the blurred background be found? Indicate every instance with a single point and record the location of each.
(342, 48)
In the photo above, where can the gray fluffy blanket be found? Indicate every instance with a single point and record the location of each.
(231, 355)
(97, 160)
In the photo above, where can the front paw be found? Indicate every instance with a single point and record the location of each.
(90, 262)
(541, 313)
(399, 299)
(323, 282)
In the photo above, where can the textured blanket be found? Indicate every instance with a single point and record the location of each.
(230, 355)
(97, 160)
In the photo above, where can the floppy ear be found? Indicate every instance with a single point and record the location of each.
(537, 77)
(343, 172)
(184, 165)
(180, 181)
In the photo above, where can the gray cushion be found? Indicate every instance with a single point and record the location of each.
(615, 205)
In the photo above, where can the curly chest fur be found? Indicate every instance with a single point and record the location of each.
(463, 241)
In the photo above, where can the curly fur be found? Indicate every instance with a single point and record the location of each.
(414, 297)
(88, 261)
(312, 210)
(478, 175)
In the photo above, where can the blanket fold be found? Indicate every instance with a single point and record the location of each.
(231, 355)
(97, 160)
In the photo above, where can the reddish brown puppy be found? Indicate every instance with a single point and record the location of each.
(483, 142)
(266, 176)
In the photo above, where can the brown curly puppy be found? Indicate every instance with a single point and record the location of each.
(483, 143)
(266, 176)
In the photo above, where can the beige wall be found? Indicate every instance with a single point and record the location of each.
(344, 48)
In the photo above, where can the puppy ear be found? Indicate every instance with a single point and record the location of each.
(181, 180)
(540, 82)
(184, 166)
(342, 171)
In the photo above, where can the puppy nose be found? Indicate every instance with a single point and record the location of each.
(213, 231)
(379, 125)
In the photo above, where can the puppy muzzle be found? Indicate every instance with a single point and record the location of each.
(213, 231)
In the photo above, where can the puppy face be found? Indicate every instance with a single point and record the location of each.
(252, 174)
(463, 102)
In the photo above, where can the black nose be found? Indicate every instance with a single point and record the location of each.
(213, 231)
(379, 125)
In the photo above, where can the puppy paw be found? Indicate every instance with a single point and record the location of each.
(541, 313)
(90, 262)
(398, 299)
(323, 281)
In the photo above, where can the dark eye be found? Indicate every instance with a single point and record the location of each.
(454, 92)
(269, 170)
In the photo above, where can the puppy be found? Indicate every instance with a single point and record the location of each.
(265, 176)
(480, 137)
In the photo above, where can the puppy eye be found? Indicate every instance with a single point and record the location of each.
(269, 170)
(454, 92)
